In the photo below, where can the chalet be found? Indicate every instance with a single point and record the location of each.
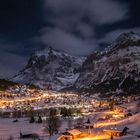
(112, 132)
(68, 135)
(74, 133)
(116, 132)
(25, 135)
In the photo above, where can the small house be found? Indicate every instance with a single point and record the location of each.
(116, 132)
(74, 133)
(68, 135)
(25, 135)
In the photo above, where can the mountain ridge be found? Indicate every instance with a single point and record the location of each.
(114, 70)
(50, 69)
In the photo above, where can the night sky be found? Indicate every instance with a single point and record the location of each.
(77, 27)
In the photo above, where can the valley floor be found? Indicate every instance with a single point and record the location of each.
(8, 128)
(117, 122)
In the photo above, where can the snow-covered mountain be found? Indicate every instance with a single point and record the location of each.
(50, 69)
(115, 70)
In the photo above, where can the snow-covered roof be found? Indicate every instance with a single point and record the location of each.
(74, 132)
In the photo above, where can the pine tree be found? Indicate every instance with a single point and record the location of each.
(32, 119)
(39, 119)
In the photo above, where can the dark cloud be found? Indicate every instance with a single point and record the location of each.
(74, 23)
(66, 41)
(107, 11)
(98, 11)
(111, 36)
(75, 26)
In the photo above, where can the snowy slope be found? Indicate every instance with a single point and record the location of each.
(51, 69)
(115, 70)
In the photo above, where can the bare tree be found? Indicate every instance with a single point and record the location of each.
(53, 122)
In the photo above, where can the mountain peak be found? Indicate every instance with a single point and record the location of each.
(50, 51)
(116, 69)
(50, 69)
(50, 48)
(130, 36)
(126, 40)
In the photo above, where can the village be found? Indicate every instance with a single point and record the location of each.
(46, 115)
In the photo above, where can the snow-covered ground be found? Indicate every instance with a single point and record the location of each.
(133, 123)
(8, 128)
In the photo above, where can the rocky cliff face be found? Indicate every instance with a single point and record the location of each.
(116, 70)
(113, 71)
(50, 69)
